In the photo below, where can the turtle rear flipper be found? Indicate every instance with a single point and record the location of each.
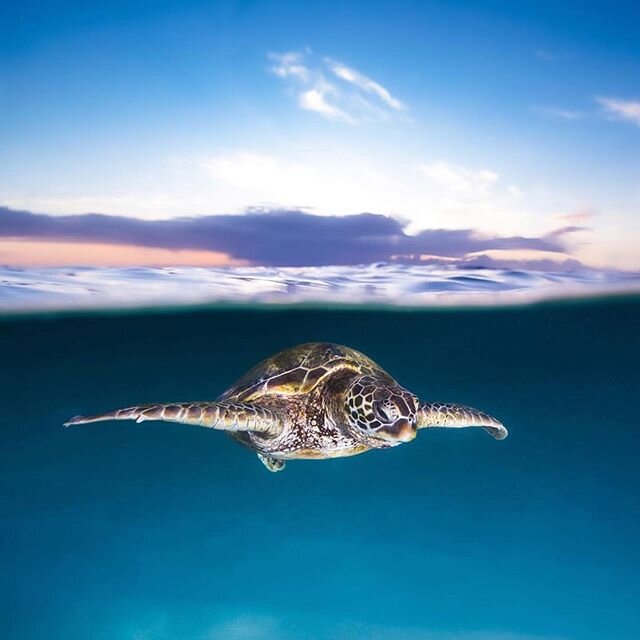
(457, 416)
(273, 464)
(223, 416)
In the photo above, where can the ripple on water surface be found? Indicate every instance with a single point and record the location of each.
(395, 284)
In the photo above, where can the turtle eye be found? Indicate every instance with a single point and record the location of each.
(383, 413)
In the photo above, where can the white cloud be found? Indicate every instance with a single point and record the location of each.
(353, 99)
(315, 99)
(460, 180)
(437, 194)
(456, 196)
(364, 83)
(628, 110)
(263, 177)
(336, 179)
(289, 64)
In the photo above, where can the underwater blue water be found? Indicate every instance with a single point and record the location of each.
(157, 531)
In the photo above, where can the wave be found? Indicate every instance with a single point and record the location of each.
(46, 289)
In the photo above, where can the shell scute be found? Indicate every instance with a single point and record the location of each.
(298, 371)
(312, 377)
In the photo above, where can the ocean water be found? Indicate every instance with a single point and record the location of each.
(376, 284)
(120, 531)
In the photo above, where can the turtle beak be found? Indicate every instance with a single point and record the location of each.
(402, 430)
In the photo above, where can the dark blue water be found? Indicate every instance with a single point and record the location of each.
(123, 531)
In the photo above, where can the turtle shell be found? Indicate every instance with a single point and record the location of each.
(299, 370)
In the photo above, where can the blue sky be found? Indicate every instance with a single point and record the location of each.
(506, 118)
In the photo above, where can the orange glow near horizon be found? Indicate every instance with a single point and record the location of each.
(28, 252)
(25, 252)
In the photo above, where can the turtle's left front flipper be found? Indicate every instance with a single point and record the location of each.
(457, 416)
(224, 416)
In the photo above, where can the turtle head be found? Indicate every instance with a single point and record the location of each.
(381, 410)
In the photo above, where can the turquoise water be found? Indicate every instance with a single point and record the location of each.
(124, 531)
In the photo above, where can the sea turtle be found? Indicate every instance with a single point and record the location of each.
(313, 401)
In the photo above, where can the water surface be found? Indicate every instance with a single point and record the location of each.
(380, 284)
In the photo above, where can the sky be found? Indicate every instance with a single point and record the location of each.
(494, 120)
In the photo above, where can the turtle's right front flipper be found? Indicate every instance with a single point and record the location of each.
(456, 416)
(224, 416)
